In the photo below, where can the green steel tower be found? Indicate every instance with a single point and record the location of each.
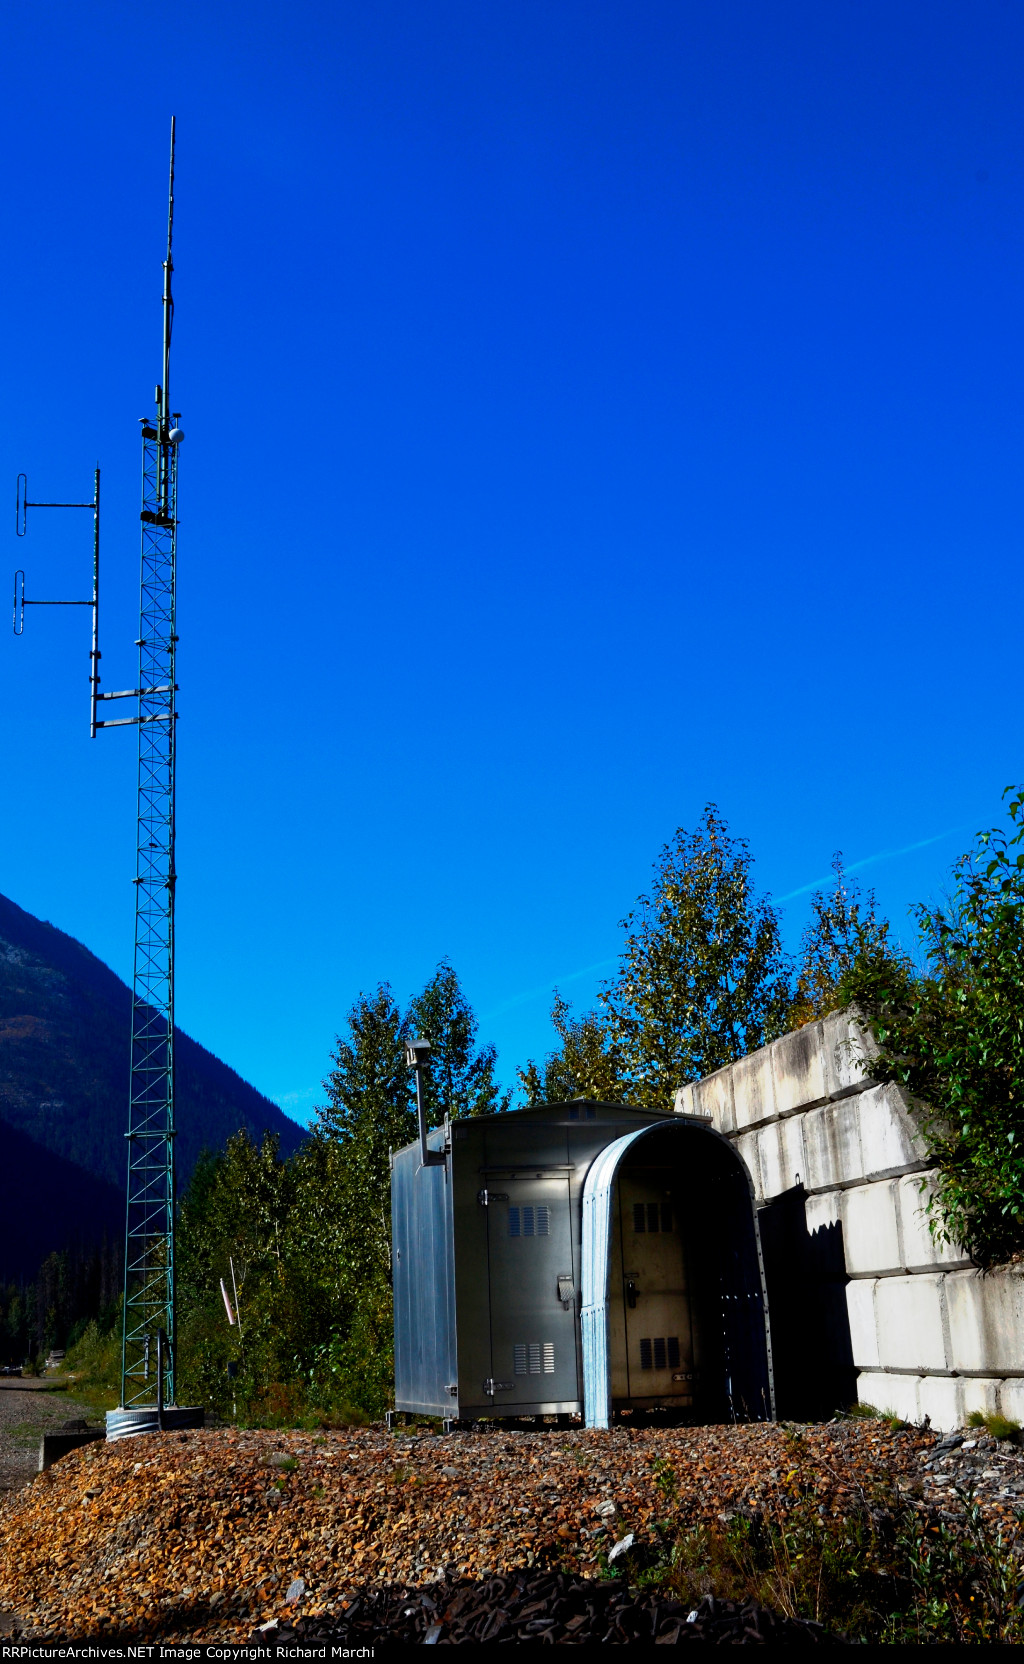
(149, 1339)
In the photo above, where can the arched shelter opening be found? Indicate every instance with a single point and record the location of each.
(674, 1313)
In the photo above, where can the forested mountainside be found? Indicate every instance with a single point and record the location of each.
(46, 1204)
(65, 1030)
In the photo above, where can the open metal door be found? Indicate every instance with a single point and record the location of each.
(656, 1312)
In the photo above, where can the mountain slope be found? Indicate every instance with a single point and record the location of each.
(65, 1037)
(47, 1202)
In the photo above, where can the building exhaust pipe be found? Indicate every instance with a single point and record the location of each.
(417, 1057)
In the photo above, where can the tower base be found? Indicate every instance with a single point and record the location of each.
(128, 1424)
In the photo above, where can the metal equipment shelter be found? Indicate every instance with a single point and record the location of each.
(578, 1258)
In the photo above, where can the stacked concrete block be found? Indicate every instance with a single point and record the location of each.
(798, 1070)
(921, 1249)
(870, 1228)
(986, 1320)
(931, 1336)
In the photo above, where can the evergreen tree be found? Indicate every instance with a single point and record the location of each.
(311, 1237)
(237, 1211)
(703, 979)
(460, 1079)
(370, 1112)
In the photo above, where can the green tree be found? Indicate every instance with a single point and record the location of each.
(311, 1237)
(585, 1065)
(237, 1206)
(953, 1038)
(237, 1211)
(845, 931)
(369, 1112)
(703, 978)
(460, 1080)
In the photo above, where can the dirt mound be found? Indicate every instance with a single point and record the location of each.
(206, 1535)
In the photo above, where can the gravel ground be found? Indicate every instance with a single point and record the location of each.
(205, 1536)
(25, 1414)
(531, 1606)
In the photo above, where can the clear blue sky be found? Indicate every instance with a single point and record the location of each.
(592, 409)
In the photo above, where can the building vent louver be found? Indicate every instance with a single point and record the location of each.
(529, 1221)
(651, 1217)
(660, 1353)
(534, 1357)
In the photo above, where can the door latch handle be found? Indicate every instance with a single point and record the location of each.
(566, 1291)
(631, 1294)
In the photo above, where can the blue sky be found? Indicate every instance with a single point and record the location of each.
(592, 410)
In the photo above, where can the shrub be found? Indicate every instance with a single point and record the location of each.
(951, 1038)
(93, 1364)
(887, 1573)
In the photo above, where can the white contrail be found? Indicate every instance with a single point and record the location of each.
(870, 861)
(802, 890)
(548, 988)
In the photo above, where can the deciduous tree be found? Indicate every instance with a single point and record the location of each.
(703, 978)
(585, 1065)
(954, 1039)
(845, 930)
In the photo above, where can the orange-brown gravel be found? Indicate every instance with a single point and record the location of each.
(200, 1535)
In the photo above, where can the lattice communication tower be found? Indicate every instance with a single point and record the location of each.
(148, 1343)
(149, 1295)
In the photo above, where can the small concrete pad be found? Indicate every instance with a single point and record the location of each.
(52, 1446)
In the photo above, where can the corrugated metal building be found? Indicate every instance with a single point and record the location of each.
(578, 1257)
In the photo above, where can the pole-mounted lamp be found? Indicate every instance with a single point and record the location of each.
(417, 1057)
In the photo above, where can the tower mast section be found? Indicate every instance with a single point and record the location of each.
(149, 1338)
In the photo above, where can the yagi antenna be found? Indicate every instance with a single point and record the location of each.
(21, 600)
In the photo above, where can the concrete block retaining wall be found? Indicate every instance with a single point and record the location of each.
(924, 1332)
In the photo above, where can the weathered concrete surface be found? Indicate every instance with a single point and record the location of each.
(986, 1320)
(928, 1334)
(52, 1446)
(870, 1229)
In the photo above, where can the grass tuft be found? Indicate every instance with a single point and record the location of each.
(999, 1426)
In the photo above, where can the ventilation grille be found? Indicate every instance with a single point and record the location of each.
(534, 1357)
(660, 1353)
(531, 1221)
(589, 1111)
(652, 1216)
